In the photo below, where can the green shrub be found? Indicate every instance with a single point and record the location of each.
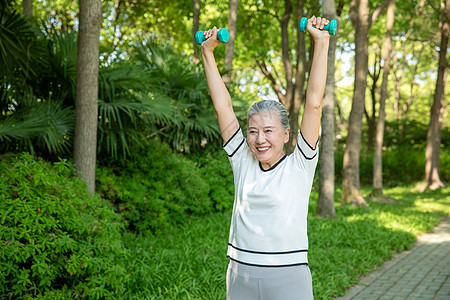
(56, 240)
(403, 165)
(403, 155)
(155, 187)
(216, 170)
(445, 165)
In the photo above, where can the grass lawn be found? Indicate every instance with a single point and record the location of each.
(189, 261)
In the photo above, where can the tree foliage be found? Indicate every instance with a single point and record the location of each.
(149, 88)
(153, 92)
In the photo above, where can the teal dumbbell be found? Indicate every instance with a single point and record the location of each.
(331, 27)
(222, 36)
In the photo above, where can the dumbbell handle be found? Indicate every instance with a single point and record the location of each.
(222, 36)
(330, 27)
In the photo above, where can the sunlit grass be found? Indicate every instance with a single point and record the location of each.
(189, 261)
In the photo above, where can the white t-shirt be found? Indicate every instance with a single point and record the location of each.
(268, 225)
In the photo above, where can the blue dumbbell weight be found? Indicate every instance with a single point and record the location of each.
(331, 27)
(222, 36)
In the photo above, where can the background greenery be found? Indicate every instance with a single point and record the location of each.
(158, 226)
(56, 240)
(151, 240)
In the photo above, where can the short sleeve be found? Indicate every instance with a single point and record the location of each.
(235, 143)
(305, 155)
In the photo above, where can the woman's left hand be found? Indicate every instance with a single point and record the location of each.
(316, 33)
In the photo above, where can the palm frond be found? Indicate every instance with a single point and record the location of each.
(121, 78)
(114, 111)
(58, 134)
(115, 141)
(178, 82)
(42, 126)
(158, 109)
(59, 79)
(15, 37)
(16, 128)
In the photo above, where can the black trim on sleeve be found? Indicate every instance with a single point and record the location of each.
(267, 266)
(229, 140)
(308, 158)
(312, 148)
(231, 155)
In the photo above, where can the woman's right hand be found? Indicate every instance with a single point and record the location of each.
(211, 41)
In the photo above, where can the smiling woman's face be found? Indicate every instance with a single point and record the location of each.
(266, 137)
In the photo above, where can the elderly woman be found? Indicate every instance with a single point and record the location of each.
(268, 242)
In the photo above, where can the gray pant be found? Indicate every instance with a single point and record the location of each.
(268, 283)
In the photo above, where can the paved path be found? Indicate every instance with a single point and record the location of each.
(421, 273)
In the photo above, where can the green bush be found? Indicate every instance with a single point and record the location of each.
(154, 187)
(403, 165)
(403, 155)
(445, 165)
(216, 170)
(56, 240)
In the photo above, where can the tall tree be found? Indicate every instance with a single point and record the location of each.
(361, 19)
(387, 50)
(229, 48)
(432, 152)
(325, 204)
(86, 102)
(27, 7)
(196, 21)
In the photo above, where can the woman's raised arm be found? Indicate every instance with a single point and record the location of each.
(228, 122)
(310, 125)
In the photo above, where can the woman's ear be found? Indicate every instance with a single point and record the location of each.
(286, 136)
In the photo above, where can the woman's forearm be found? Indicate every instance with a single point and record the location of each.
(318, 73)
(219, 93)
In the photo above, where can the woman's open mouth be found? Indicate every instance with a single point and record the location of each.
(263, 149)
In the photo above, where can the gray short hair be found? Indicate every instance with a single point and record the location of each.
(265, 105)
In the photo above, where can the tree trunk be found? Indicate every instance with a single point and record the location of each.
(351, 192)
(371, 119)
(85, 140)
(27, 8)
(387, 49)
(397, 83)
(325, 204)
(432, 152)
(361, 20)
(196, 21)
(229, 48)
